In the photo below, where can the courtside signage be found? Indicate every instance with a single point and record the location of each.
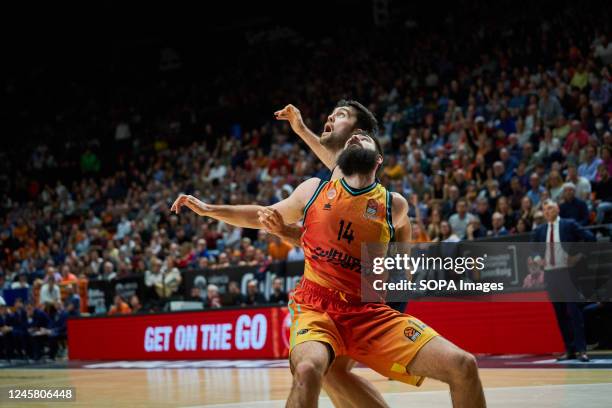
(236, 333)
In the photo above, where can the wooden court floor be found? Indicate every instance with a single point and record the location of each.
(268, 387)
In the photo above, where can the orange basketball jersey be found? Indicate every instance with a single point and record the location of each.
(337, 220)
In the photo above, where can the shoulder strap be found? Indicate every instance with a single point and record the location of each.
(322, 184)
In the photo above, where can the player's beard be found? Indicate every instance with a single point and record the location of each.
(357, 160)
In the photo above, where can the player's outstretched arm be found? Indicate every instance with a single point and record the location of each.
(293, 115)
(246, 216)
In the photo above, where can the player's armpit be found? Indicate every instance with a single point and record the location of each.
(292, 208)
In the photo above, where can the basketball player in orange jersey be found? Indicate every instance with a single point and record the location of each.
(328, 318)
(345, 389)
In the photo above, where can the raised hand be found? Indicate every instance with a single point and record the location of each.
(292, 114)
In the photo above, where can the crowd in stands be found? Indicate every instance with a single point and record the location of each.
(478, 132)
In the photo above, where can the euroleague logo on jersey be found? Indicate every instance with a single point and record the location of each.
(412, 333)
(371, 211)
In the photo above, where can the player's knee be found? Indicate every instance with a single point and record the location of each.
(308, 373)
(463, 367)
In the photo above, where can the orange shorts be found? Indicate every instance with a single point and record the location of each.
(371, 333)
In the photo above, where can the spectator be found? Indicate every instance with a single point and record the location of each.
(549, 147)
(72, 301)
(460, 220)
(7, 340)
(195, 295)
(171, 279)
(202, 251)
(135, 305)
(3, 283)
(475, 230)
(447, 234)
(603, 50)
(234, 297)
(583, 186)
(253, 297)
(555, 185)
(498, 230)
(35, 326)
(49, 292)
(278, 296)
(588, 169)
(21, 283)
(603, 194)
(577, 135)
(277, 248)
(119, 306)
(535, 190)
(52, 274)
(523, 226)
(549, 107)
(296, 254)
(213, 298)
(67, 276)
(57, 329)
(109, 271)
(572, 207)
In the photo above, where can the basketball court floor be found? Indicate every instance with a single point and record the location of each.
(511, 381)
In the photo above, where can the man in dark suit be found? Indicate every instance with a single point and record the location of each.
(37, 321)
(557, 259)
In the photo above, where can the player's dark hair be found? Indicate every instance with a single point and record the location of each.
(365, 119)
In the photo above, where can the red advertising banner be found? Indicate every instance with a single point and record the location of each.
(494, 327)
(479, 327)
(225, 334)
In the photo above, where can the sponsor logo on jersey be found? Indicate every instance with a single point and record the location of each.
(336, 257)
(418, 324)
(302, 331)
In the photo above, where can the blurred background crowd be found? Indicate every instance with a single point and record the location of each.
(482, 115)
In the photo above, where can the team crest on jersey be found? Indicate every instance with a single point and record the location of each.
(371, 211)
(331, 193)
